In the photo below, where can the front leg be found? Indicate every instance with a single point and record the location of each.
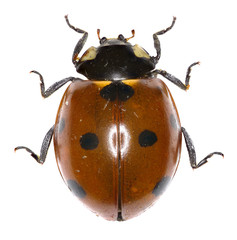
(157, 41)
(54, 87)
(173, 79)
(80, 43)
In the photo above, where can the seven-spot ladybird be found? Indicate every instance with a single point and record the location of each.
(117, 135)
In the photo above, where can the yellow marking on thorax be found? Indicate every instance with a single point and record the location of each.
(140, 52)
(90, 54)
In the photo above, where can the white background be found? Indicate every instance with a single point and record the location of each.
(34, 202)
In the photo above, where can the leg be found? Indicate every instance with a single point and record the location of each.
(192, 153)
(175, 80)
(157, 42)
(54, 87)
(44, 147)
(80, 43)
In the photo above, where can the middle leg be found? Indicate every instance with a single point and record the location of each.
(175, 80)
(54, 87)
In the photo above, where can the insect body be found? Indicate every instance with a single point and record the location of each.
(117, 136)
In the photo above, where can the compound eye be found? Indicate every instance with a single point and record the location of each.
(121, 38)
(103, 40)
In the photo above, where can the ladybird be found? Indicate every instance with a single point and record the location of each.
(117, 136)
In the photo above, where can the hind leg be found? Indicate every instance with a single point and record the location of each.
(192, 152)
(44, 148)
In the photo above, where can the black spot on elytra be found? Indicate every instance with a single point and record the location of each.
(160, 90)
(76, 188)
(89, 141)
(109, 92)
(125, 92)
(161, 186)
(173, 121)
(147, 138)
(61, 125)
(117, 89)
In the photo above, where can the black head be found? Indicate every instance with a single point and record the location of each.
(115, 59)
